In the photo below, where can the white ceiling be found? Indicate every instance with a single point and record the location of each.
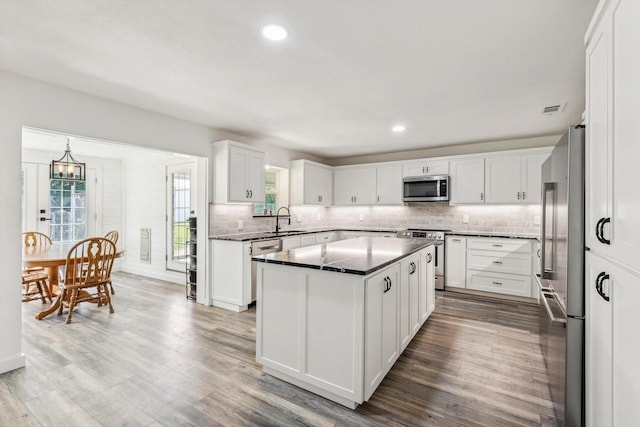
(453, 71)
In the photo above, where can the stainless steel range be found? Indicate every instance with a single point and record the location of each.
(437, 235)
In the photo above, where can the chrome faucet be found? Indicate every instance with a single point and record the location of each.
(278, 217)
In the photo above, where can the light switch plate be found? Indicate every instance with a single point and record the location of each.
(361, 217)
(240, 225)
(465, 219)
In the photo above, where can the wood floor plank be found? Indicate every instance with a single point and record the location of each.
(161, 360)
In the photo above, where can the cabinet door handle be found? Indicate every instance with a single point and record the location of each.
(378, 199)
(481, 196)
(412, 267)
(497, 283)
(251, 194)
(455, 240)
(497, 262)
(604, 240)
(387, 285)
(524, 195)
(246, 194)
(518, 195)
(496, 246)
(355, 199)
(429, 258)
(600, 230)
(599, 280)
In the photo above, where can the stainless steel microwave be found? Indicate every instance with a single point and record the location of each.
(426, 188)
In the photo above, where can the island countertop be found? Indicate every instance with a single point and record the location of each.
(362, 255)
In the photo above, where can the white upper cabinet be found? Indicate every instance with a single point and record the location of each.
(238, 173)
(310, 183)
(354, 186)
(513, 178)
(426, 167)
(613, 134)
(466, 181)
(389, 185)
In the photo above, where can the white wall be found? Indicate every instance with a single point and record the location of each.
(145, 201)
(31, 103)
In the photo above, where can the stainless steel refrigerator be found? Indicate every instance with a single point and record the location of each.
(562, 293)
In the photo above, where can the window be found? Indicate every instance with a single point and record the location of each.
(181, 200)
(276, 189)
(68, 204)
(181, 185)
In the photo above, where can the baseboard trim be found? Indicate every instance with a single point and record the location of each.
(12, 364)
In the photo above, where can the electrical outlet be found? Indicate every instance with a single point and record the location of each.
(361, 217)
(240, 224)
(465, 219)
(536, 220)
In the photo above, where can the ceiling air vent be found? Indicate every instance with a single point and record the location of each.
(552, 109)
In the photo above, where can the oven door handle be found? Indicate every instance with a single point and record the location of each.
(441, 244)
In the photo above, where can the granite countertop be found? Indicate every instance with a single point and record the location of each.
(248, 237)
(362, 255)
(265, 235)
(494, 234)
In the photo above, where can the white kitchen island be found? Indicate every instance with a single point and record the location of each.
(333, 318)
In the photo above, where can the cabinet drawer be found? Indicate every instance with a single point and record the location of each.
(326, 237)
(290, 243)
(500, 262)
(308, 239)
(499, 283)
(505, 245)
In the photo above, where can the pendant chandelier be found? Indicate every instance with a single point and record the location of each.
(67, 168)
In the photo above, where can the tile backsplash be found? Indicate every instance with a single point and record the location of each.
(226, 219)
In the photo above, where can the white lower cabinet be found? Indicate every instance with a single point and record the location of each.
(612, 344)
(307, 239)
(290, 243)
(427, 284)
(326, 237)
(490, 264)
(410, 300)
(381, 327)
(231, 275)
(344, 235)
(456, 261)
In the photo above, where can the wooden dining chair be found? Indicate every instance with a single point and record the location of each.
(86, 273)
(35, 238)
(113, 236)
(35, 280)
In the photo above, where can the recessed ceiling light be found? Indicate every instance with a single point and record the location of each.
(274, 32)
(399, 128)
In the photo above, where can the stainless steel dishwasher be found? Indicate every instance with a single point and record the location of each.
(262, 247)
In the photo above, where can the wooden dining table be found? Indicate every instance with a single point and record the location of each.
(51, 257)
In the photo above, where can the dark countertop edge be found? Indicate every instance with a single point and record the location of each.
(427, 243)
(250, 237)
(493, 234)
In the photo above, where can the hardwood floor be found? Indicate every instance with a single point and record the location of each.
(161, 360)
